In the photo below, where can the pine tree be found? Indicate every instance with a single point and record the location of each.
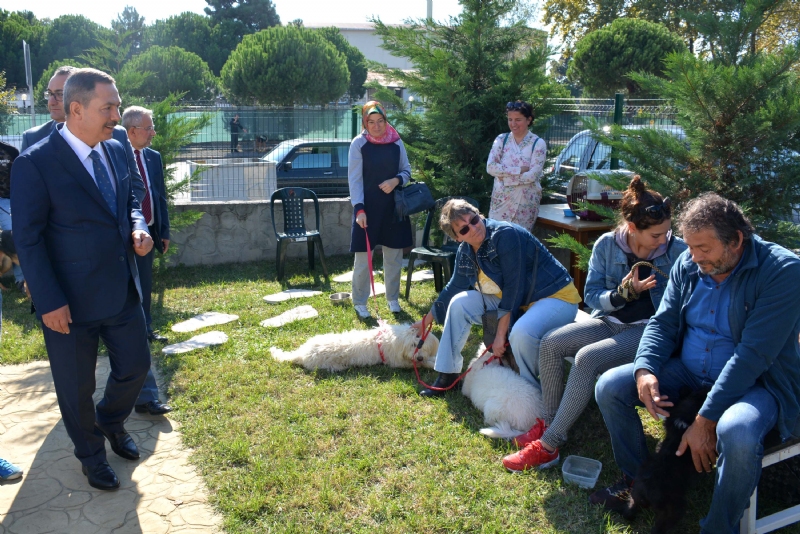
(283, 66)
(465, 71)
(740, 111)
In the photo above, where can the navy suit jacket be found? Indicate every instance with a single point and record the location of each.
(36, 134)
(73, 249)
(158, 192)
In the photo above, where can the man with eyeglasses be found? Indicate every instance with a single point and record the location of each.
(728, 321)
(55, 105)
(138, 122)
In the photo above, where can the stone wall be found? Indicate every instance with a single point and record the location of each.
(237, 231)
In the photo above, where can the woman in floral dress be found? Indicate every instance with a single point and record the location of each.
(516, 162)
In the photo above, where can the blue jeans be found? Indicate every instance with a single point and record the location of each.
(466, 309)
(5, 224)
(740, 436)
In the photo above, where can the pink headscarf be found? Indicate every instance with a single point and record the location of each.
(390, 136)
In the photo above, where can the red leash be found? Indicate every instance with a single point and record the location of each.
(461, 377)
(381, 322)
(372, 283)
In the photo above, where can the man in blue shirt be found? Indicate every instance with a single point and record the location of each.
(728, 321)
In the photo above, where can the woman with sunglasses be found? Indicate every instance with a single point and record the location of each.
(513, 273)
(377, 164)
(516, 162)
(623, 297)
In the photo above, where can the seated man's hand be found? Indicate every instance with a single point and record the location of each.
(701, 439)
(647, 386)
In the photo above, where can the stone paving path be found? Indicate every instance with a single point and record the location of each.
(160, 493)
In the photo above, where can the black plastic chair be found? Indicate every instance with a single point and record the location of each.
(294, 226)
(442, 258)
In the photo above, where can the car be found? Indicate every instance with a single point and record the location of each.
(319, 165)
(584, 153)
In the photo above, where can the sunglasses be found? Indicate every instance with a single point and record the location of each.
(658, 211)
(514, 105)
(464, 230)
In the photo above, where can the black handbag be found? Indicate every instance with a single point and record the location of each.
(413, 198)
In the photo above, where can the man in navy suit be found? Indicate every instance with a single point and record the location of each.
(138, 122)
(55, 105)
(78, 227)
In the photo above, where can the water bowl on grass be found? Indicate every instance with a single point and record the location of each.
(581, 471)
(340, 298)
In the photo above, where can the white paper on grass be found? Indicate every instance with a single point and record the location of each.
(419, 276)
(200, 341)
(295, 314)
(348, 276)
(203, 320)
(291, 294)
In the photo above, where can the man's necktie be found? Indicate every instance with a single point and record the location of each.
(104, 181)
(147, 206)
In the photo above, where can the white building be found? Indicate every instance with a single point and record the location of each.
(362, 36)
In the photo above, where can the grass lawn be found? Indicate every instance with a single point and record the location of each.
(286, 450)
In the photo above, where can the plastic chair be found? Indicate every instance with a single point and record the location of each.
(749, 524)
(294, 226)
(443, 258)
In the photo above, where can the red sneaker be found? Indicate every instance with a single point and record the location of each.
(536, 432)
(533, 455)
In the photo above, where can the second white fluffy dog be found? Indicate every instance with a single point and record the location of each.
(359, 348)
(510, 404)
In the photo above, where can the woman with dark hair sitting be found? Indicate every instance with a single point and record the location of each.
(516, 162)
(514, 274)
(628, 272)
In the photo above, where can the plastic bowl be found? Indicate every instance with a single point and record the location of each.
(340, 298)
(581, 471)
(568, 213)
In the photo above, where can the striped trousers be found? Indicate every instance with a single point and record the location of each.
(597, 346)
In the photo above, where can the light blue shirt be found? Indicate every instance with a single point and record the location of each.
(708, 343)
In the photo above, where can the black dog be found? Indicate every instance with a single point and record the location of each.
(664, 479)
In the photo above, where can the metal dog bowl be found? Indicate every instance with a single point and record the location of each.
(340, 298)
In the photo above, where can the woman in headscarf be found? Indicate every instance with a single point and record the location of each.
(377, 164)
(516, 162)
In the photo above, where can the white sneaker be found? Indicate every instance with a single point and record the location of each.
(362, 311)
(394, 306)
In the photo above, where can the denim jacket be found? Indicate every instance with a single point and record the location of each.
(764, 318)
(506, 256)
(609, 265)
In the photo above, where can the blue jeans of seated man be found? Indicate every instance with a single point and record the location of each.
(740, 436)
(466, 309)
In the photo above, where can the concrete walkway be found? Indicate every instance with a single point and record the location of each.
(160, 493)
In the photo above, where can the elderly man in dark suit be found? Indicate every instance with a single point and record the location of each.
(78, 227)
(138, 122)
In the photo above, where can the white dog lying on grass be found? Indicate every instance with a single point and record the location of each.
(359, 348)
(510, 404)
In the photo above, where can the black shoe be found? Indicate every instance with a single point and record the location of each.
(101, 476)
(121, 443)
(615, 498)
(444, 380)
(152, 337)
(155, 407)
